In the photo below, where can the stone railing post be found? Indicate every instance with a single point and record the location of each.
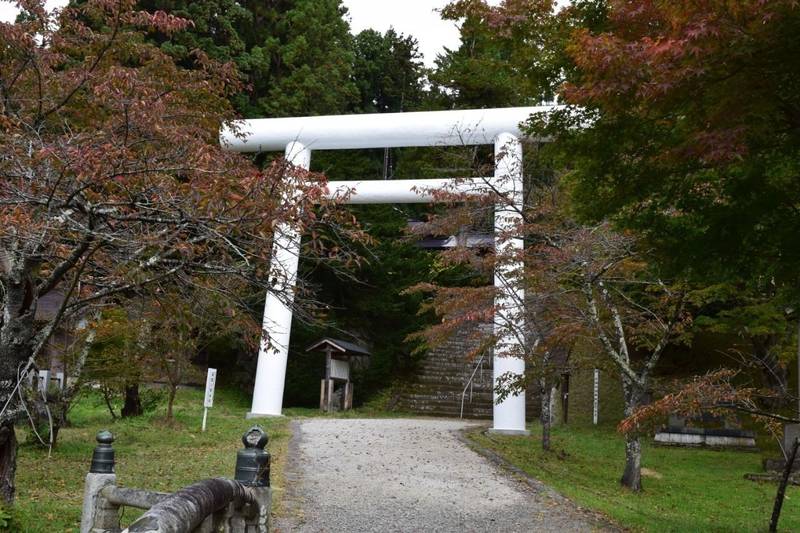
(253, 469)
(252, 462)
(100, 515)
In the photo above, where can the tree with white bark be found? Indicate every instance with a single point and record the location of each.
(576, 282)
(630, 314)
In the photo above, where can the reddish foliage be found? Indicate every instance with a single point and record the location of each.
(714, 393)
(113, 177)
(657, 53)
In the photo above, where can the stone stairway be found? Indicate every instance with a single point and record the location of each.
(440, 381)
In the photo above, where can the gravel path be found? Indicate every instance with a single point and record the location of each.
(409, 475)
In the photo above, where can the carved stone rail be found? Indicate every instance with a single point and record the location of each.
(239, 505)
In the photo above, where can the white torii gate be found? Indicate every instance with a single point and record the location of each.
(298, 136)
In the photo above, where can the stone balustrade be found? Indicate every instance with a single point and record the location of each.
(239, 505)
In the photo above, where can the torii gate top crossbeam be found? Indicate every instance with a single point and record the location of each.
(381, 130)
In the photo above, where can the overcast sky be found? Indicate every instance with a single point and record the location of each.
(409, 17)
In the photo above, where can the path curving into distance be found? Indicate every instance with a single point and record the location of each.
(409, 475)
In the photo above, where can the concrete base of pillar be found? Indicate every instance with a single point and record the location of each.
(514, 432)
(248, 416)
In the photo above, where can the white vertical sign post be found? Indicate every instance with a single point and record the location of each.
(211, 381)
(596, 395)
(44, 381)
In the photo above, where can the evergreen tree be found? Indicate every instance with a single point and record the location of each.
(369, 303)
(510, 55)
(216, 27)
(309, 56)
(388, 72)
(295, 55)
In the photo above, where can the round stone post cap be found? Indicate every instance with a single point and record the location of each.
(255, 437)
(104, 436)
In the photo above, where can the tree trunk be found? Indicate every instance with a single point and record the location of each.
(107, 396)
(545, 415)
(56, 429)
(172, 391)
(8, 461)
(133, 403)
(779, 497)
(17, 339)
(63, 415)
(632, 475)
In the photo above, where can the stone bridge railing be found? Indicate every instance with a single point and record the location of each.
(239, 505)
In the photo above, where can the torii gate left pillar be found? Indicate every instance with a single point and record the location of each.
(296, 136)
(273, 349)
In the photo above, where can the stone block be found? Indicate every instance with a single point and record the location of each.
(676, 422)
(790, 433)
(694, 439)
(662, 438)
(712, 440)
(258, 521)
(98, 514)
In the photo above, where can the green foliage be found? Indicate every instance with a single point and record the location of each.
(6, 520)
(295, 56)
(759, 321)
(367, 304)
(159, 338)
(510, 55)
(688, 133)
(693, 145)
(388, 72)
(116, 357)
(299, 59)
(216, 26)
(746, 319)
(151, 399)
(310, 59)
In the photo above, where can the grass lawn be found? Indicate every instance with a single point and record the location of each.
(149, 455)
(684, 489)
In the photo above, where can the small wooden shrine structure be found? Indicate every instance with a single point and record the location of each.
(340, 356)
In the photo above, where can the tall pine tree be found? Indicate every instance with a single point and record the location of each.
(296, 55)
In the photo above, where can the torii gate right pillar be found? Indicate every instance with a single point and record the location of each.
(508, 364)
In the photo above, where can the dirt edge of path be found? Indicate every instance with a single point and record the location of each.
(602, 521)
(291, 509)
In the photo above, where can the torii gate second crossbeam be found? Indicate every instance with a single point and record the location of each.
(299, 136)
